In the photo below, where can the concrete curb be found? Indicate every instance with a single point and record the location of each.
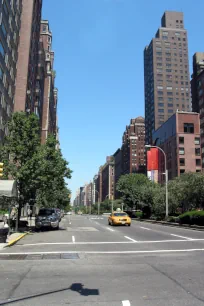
(185, 226)
(12, 242)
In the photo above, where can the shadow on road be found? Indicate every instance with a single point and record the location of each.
(78, 287)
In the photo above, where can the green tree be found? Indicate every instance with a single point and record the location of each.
(131, 187)
(21, 143)
(51, 171)
(39, 170)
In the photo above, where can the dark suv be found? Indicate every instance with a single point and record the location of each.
(47, 217)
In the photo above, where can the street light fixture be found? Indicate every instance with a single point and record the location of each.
(111, 202)
(166, 176)
(98, 202)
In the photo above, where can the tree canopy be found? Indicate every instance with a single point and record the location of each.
(39, 170)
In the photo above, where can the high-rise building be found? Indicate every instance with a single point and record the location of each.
(118, 170)
(10, 23)
(49, 112)
(197, 89)
(198, 67)
(107, 178)
(26, 98)
(166, 73)
(179, 137)
(133, 147)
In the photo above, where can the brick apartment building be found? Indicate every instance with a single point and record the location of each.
(107, 179)
(118, 170)
(166, 73)
(28, 58)
(10, 23)
(49, 109)
(179, 137)
(197, 89)
(133, 147)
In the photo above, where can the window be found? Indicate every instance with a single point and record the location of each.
(197, 140)
(188, 128)
(170, 105)
(182, 161)
(198, 162)
(182, 171)
(181, 151)
(169, 88)
(1, 73)
(170, 100)
(44, 28)
(160, 93)
(2, 51)
(181, 140)
(197, 151)
(169, 93)
(160, 110)
(3, 29)
(161, 104)
(170, 111)
(198, 170)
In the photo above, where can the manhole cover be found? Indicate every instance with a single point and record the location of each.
(69, 256)
(51, 256)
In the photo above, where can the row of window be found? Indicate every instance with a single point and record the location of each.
(182, 151)
(182, 162)
(189, 129)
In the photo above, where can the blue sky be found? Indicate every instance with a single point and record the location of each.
(98, 48)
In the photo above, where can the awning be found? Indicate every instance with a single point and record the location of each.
(8, 188)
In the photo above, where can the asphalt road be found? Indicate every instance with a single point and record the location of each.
(90, 263)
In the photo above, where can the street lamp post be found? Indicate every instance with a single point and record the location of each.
(166, 176)
(98, 202)
(111, 202)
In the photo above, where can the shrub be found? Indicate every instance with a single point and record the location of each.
(192, 217)
(138, 214)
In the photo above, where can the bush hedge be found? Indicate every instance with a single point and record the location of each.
(193, 217)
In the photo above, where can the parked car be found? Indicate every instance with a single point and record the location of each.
(47, 217)
(119, 218)
(59, 213)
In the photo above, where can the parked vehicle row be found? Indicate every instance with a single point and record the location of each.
(49, 218)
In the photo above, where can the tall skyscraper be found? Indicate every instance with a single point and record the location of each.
(166, 73)
(49, 113)
(133, 150)
(198, 68)
(10, 23)
(197, 90)
(28, 54)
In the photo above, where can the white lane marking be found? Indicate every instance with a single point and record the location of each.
(181, 237)
(73, 239)
(126, 303)
(110, 229)
(130, 239)
(106, 252)
(148, 229)
(107, 242)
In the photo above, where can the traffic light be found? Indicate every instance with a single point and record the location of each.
(1, 169)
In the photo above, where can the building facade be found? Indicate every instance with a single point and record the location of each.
(108, 179)
(197, 89)
(49, 109)
(118, 170)
(166, 73)
(28, 58)
(179, 137)
(198, 67)
(133, 147)
(10, 24)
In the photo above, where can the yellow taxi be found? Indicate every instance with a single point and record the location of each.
(119, 218)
